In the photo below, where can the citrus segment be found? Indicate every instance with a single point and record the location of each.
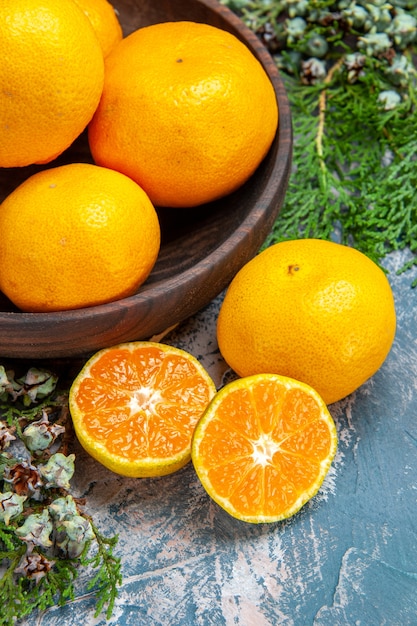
(202, 112)
(310, 309)
(51, 78)
(263, 447)
(134, 407)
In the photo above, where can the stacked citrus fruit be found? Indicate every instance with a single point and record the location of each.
(183, 109)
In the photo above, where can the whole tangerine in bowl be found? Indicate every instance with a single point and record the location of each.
(51, 79)
(201, 113)
(76, 236)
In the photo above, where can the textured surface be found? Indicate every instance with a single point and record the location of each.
(347, 558)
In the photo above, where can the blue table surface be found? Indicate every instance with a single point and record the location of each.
(349, 557)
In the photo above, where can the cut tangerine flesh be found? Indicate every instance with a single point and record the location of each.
(135, 406)
(263, 447)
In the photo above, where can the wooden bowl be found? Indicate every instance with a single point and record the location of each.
(202, 249)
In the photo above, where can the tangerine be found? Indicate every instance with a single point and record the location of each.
(75, 236)
(134, 407)
(105, 22)
(202, 112)
(263, 447)
(314, 310)
(51, 78)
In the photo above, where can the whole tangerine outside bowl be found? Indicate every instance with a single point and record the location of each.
(202, 248)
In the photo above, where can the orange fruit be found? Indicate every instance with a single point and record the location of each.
(104, 21)
(134, 407)
(201, 112)
(317, 311)
(51, 78)
(75, 236)
(263, 447)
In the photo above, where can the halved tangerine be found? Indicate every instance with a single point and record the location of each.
(134, 407)
(263, 447)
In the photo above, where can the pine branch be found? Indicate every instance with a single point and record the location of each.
(45, 537)
(108, 576)
(352, 88)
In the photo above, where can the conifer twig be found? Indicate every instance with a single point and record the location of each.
(322, 111)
